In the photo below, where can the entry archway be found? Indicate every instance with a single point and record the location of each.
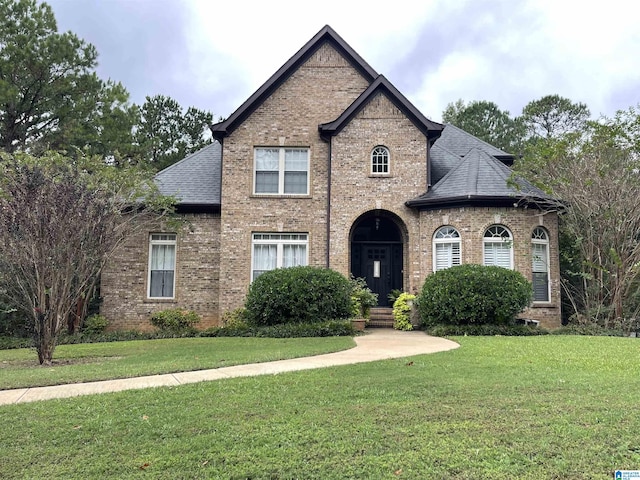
(377, 252)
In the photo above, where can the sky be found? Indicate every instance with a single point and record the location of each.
(214, 54)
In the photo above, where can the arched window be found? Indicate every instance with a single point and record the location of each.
(446, 248)
(380, 160)
(497, 247)
(540, 265)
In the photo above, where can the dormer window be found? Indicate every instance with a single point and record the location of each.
(380, 160)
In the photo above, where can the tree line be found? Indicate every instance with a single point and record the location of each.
(51, 99)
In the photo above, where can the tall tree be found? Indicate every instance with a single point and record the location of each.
(60, 220)
(166, 134)
(553, 116)
(45, 76)
(595, 173)
(486, 121)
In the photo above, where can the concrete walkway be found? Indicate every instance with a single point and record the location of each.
(376, 344)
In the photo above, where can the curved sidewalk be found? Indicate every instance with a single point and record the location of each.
(376, 344)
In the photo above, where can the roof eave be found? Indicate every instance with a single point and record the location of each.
(480, 201)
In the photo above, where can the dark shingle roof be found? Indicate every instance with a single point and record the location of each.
(196, 179)
(479, 179)
(460, 143)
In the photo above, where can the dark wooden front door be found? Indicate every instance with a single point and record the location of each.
(380, 265)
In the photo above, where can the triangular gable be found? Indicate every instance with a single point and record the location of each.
(479, 180)
(326, 34)
(429, 128)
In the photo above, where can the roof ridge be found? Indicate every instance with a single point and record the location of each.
(479, 140)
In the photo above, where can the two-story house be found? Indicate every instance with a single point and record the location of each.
(328, 164)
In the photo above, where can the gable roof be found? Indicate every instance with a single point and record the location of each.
(196, 179)
(460, 143)
(326, 34)
(479, 179)
(429, 128)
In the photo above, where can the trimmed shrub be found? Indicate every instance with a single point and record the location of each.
(402, 312)
(95, 324)
(175, 320)
(298, 295)
(486, 330)
(331, 328)
(473, 295)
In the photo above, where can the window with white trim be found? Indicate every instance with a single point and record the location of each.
(446, 248)
(162, 265)
(380, 160)
(498, 247)
(281, 171)
(278, 250)
(540, 265)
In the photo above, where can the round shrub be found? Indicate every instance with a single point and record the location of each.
(473, 295)
(298, 295)
(175, 320)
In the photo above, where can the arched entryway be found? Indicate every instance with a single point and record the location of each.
(377, 252)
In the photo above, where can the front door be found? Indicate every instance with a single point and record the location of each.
(376, 254)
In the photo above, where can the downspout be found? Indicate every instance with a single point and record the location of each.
(329, 202)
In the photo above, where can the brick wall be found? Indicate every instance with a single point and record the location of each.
(471, 223)
(318, 92)
(124, 280)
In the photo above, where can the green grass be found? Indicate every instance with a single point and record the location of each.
(102, 361)
(549, 407)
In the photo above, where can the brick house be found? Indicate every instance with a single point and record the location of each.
(328, 164)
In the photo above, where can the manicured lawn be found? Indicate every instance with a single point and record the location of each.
(102, 361)
(497, 408)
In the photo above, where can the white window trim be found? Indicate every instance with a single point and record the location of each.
(281, 171)
(173, 241)
(547, 260)
(446, 241)
(388, 165)
(492, 240)
(272, 239)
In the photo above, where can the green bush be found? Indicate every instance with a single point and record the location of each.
(473, 295)
(95, 324)
(512, 330)
(402, 312)
(175, 320)
(298, 295)
(330, 328)
(362, 297)
(235, 318)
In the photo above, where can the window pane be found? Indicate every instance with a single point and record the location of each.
(540, 287)
(267, 159)
(266, 182)
(294, 255)
(539, 255)
(161, 283)
(498, 254)
(163, 257)
(295, 182)
(296, 160)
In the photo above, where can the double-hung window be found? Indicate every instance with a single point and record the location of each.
(162, 265)
(278, 250)
(281, 171)
(540, 265)
(498, 247)
(446, 248)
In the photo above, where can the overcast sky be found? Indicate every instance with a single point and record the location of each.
(214, 54)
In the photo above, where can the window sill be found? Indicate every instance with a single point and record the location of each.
(380, 175)
(543, 305)
(280, 195)
(160, 300)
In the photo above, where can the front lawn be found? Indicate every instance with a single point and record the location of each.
(550, 407)
(104, 361)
